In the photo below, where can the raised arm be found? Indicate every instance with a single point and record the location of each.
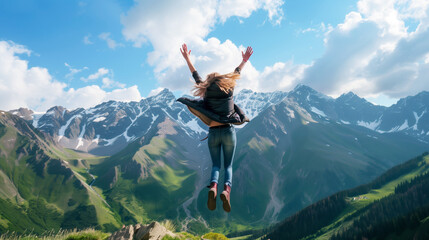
(246, 56)
(185, 53)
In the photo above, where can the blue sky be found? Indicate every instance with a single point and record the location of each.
(80, 53)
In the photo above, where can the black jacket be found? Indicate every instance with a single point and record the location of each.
(216, 106)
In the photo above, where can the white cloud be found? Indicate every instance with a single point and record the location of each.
(321, 30)
(90, 96)
(273, 7)
(34, 87)
(281, 76)
(86, 40)
(372, 52)
(106, 76)
(309, 30)
(20, 85)
(167, 24)
(352, 20)
(100, 73)
(73, 71)
(385, 13)
(244, 8)
(347, 53)
(110, 42)
(109, 83)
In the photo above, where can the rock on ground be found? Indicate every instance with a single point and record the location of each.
(153, 231)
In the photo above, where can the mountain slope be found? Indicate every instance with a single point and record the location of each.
(286, 160)
(40, 190)
(395, 205)
(153, 176)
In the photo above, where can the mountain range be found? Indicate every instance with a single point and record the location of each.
(108, 127)
(148, 161)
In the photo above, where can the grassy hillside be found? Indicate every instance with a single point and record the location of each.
(147, 180)
(40, 188)
(395, 205)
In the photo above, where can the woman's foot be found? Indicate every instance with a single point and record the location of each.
(211, 201)
(224, 196)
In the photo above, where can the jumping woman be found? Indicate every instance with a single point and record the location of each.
(217, 110)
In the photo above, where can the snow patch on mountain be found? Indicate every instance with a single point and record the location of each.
(36, 118)
(80, 138)
(128, 138)
(96, 139)
(63, 129)
(193, 125)
(111, 141)
(50, 112)
(154, 119)
(90, 110)
(400, 128)
(253, 103)
(318, 112)
(99, 119)
(290, 113)
(417, 117)
(371, 125)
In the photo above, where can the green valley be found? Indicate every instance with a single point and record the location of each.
(395, 205)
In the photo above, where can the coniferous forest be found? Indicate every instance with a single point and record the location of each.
(403, 214)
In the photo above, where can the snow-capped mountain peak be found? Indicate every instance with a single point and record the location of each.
(254, 103)
(352, 98)
(110, 126)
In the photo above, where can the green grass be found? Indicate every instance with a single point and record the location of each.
(260, 144)
(87, 234)
(170, 179)
(214, 236)
(241, 237)
(3, 223)
(146, 185)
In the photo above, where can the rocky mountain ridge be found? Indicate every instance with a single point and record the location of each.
(110, 126)
(409, 115)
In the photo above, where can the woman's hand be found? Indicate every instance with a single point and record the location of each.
(184, 51)
(246, 56)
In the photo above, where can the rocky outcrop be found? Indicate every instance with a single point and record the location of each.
(153, 231)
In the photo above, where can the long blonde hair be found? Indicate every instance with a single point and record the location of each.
(226, 83)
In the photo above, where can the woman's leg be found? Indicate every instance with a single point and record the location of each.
(214, 144)
(229, 141)
(228, 144)
(214, 148)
